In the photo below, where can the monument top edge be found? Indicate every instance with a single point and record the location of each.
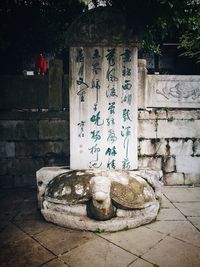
(101, 25)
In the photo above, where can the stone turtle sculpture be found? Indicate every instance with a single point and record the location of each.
(95, 199)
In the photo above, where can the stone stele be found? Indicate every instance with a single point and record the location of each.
(99, 200)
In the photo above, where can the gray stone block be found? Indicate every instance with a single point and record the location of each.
(53, 130)
(192, 179)
(18, 130)
(188, 164)
(153, 147)
(24, 181)
(25, 166)
(6, 181)
(173, 178)
(7, 149)
(40, 149)
(197, 147)
(169, 164)
(7, 166)
(178, 129)
(181, 147)
(147, 129)
(150, 162)
(55, 84)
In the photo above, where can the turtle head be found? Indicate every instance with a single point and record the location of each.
(100, 189)
(100, 206)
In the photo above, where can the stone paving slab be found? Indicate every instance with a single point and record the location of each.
(33, 227)
(170, 215)
(98, 253)
(26, 252)
(55, 263)
(182, 194)
(195, 221)
(11, 234)
(141, 263)
(182, 230)
(27, 240)
(61, 240)
(189, 209)
(137, 241)
(165, 203)
(172, 252)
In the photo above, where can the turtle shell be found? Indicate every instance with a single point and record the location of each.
(136, 194)
(69, 188)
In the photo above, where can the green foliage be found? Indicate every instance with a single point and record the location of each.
(100, 230)
(126, 228)
(159, 20)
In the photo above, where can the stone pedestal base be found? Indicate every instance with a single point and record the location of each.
(75, 216)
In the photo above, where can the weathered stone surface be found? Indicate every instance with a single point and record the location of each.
(153, 147)
(98, 253)
(147, 129)
(7, 149)
(92, 26)
(26, 166)
(7, 166)
(56, 262)
(169, 164)
(142, 239)
(36, 149)
(178, 129)
(55, 84)
(61, 240)
(106, 119)
(21, 91)
(197, 147)
(18, 130)
(181, 147)
(184, 114)
(6, 181)
(189, 210)
(53, 130)
(150, 162)
(188, 164)
(170, 214)
(178, 91)
(142, 82)
(44, 175)
(183, 230)
(24, 181)
(152, 114)
(67, 194)
(192, 179)
(195, 221)
(182, 194)
(184, 255)
(141, 263)
(173, 178)
(11, 255)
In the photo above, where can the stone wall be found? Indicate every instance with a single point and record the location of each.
(34, 128)
(30, 138)
(169, 126)
(170, 140)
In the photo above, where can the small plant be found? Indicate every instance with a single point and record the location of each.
(156, 124)
(126, 228)
(170, 119)
(99, 230)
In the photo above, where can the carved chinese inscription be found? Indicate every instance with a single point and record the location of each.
(103, 108)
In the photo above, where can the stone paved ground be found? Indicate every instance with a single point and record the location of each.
(172, 241)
